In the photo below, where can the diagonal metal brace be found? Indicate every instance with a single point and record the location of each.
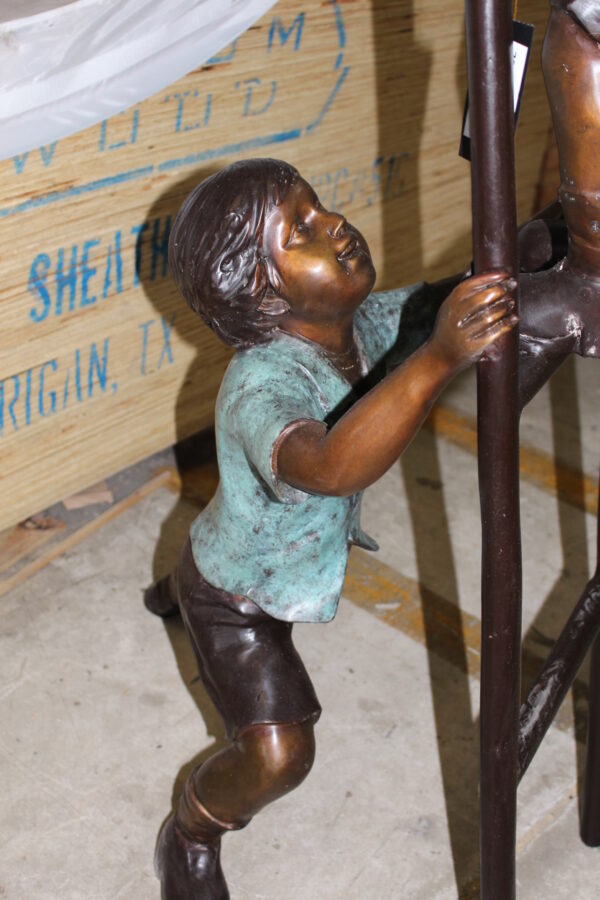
(558, 673)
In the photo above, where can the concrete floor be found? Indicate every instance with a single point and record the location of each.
(103, 717)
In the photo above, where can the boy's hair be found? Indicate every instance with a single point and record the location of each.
(215, 247)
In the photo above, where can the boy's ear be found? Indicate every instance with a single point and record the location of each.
(273, 279)
(273, 304)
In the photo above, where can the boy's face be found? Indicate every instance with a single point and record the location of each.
(322, 264)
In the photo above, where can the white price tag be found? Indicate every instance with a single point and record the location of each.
(521, 48)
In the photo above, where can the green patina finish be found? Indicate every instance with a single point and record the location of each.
(283, 548)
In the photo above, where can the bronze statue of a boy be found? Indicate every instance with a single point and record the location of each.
(299, 436)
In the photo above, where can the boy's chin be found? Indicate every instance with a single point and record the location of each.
(370, 273)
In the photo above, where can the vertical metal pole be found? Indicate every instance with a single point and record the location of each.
(489, 38)
(590, 813)
(590, 807)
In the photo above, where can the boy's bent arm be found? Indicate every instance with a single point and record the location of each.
(370, 437)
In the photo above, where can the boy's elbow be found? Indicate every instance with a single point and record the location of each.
(326, 484)
(338, 489)
(338, 480)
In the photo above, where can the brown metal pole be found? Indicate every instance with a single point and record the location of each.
(590, 813)
(489, 38)
(590, 807)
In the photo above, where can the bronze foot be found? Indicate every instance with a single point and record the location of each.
(188, 871)
(160, 599)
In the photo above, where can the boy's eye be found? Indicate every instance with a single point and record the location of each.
(299, 227)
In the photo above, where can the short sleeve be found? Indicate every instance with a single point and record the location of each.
(270, 398)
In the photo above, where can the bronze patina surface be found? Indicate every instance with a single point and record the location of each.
(306, 419)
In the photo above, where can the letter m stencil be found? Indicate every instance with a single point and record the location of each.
(277, 27)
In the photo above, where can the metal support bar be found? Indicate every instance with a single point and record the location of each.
(558, 673)
(590, 813)
(489, 38)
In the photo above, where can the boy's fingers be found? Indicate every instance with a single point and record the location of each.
(478, 283)
(485, 295)
(485, 277)
(492, 332)
(494, 302)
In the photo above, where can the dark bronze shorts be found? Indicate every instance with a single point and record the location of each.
(246, 659)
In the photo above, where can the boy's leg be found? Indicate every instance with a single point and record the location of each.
(258, 683)
(261, 765)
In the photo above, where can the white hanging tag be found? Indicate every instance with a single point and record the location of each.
(521, 49)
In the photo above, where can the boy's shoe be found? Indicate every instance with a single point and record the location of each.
(158, 598)
(188, 871)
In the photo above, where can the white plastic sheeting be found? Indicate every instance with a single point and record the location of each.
(67, 64)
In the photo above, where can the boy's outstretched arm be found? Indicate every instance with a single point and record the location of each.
(370, 437)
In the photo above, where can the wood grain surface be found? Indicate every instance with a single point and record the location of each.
(101, 364)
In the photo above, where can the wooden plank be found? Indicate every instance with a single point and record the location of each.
(100, 363)
(167, 478)
(19, 542)
(96, 493)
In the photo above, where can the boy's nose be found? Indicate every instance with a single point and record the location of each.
(337, 226)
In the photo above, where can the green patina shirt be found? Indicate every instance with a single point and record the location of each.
(283, 548)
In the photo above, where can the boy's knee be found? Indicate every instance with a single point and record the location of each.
(284, 755)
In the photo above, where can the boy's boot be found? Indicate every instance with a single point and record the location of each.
(161, 597)
(187, 857)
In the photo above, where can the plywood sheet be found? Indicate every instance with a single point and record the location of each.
(100, 362)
